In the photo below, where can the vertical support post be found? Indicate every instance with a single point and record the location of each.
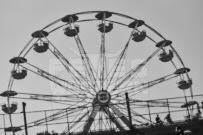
(129, 112)
(4, 123)
(168, 106)
(46, 120)
(25, 121)
(67, 120)
(149, 112)
(187, 106)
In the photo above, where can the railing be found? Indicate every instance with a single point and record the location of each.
(151, 109)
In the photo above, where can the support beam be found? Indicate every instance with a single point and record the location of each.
(129, 112)
(67, 120)
(90, 120)
(25, 120)
(46, 120)
(149, 112)
(113, 119)
(4, 123)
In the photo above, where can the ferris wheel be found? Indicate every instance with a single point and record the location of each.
(94, 62)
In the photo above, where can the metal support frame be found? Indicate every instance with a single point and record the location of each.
(46, 121)
(25, 120)
(4, 123)
(129, 112)
(67, 120)
(149, 112)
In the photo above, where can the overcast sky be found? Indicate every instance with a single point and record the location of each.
(177, 20)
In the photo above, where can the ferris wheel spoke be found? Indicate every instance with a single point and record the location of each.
(86, 62)
(135, 89)
(79, 80)
(69, 86)
(75, 74)
(109, 121)
(67, 130)
(120, 115)
(64, 102)
(126, 77)
(118, 62)
(39, 100)
(113, 119)
(150, 84)
(85, 59)
(103, 61)
(133, 112)
(103, 64)
(106, 121)
(71, 101)
(80, 104)
(66, 64)
(54, 96)
(91, 118)
(121, 57)
(100, 121)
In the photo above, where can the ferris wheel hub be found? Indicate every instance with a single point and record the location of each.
(103, 97)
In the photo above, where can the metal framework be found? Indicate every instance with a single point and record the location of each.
(95, 98)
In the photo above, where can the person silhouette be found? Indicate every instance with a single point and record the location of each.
(168, 119)
(158, 120)
(199, 113)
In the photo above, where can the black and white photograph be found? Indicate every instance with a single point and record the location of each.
(101, 67)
